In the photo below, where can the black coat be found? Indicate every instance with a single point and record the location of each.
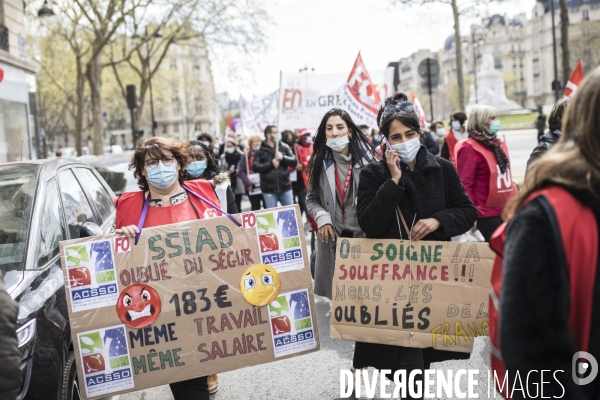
(433, 189)
(430, 143)
(231, 204)
(535, 301)
(10, 373)
(274, 180)
(545, 143)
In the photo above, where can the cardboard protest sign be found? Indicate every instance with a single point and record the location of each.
(412, 294)
(189, 300)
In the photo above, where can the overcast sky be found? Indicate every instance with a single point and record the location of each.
(328, 34)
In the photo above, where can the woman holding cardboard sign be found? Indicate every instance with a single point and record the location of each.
(409, 194)
(159, 165)
(340, 152)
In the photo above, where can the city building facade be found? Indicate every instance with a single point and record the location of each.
(17, 80)
(522, 51)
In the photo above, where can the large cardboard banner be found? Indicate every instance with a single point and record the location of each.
(413, 294)
(189, 300)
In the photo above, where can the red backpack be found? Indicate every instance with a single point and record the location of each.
(576, 239)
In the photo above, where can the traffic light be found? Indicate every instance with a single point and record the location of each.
(131, 97)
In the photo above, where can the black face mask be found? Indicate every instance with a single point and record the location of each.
(289, 142)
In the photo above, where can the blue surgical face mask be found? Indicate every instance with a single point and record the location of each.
(196, 168)
(162, 176)
(277, 138)
(407, 150)
(494, 127)
(440, 132)
(339, 144)
(230, 150)
(456, 125)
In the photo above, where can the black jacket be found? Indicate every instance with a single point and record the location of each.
(433, 189)
(535, 302)
(545, 143)
(430, 143)
(274, 180)
(10, 359)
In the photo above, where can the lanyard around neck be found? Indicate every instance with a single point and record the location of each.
(343, 193)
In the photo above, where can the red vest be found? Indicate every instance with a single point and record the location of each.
(579, 236)
(502, 188)
(451, 142)
(130, 204)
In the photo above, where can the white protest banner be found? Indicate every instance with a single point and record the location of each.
(305, 97)
(260, 112)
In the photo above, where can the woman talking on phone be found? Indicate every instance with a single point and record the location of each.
(409, 194)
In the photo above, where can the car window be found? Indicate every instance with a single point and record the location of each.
(76, 206)
(99, 195)
(52, 230)
(17, 191)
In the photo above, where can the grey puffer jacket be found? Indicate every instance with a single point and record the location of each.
(10, 372)
(322, 209)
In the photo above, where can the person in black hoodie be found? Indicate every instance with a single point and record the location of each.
(537, 286)
(272, 165)
(229, 164)
(555, 124)
(423, 190)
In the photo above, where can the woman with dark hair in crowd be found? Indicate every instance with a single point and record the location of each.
(303, 151)
(552, 136)
(203, 166)
(412, 194)
(340, 152)
(456, 134)
(483, 164)
(251, 179)
(549, 299)
(159, 165)
(229, 164)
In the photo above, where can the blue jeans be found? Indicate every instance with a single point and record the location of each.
(285, 198)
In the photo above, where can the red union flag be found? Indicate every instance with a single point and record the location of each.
(574, 80)
(419, 109)
(361, 98)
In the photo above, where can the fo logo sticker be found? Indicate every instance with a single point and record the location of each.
(122, 244)
(585, 368)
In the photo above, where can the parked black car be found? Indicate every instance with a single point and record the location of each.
(42, 203)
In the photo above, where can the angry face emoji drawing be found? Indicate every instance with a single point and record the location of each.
(260, 284)
(138, 306)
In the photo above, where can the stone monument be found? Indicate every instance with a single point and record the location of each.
(490, 89)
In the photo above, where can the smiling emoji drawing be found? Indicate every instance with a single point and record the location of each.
(260, 284)
(138, 306)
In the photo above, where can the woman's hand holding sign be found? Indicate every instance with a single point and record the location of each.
(424, 227)
(130, 230)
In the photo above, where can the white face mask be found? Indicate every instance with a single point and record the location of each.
(456, 126)
(308, 139)
(440, 132)
(339, 144)
(407, 150)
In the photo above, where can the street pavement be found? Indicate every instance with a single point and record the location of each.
(317, 375)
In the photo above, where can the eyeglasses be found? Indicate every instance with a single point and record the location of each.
(153, 162)
(392, 108)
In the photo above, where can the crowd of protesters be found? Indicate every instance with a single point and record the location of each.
(389, 183)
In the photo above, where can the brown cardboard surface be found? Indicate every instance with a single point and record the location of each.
(413, 294)
(217, 331)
